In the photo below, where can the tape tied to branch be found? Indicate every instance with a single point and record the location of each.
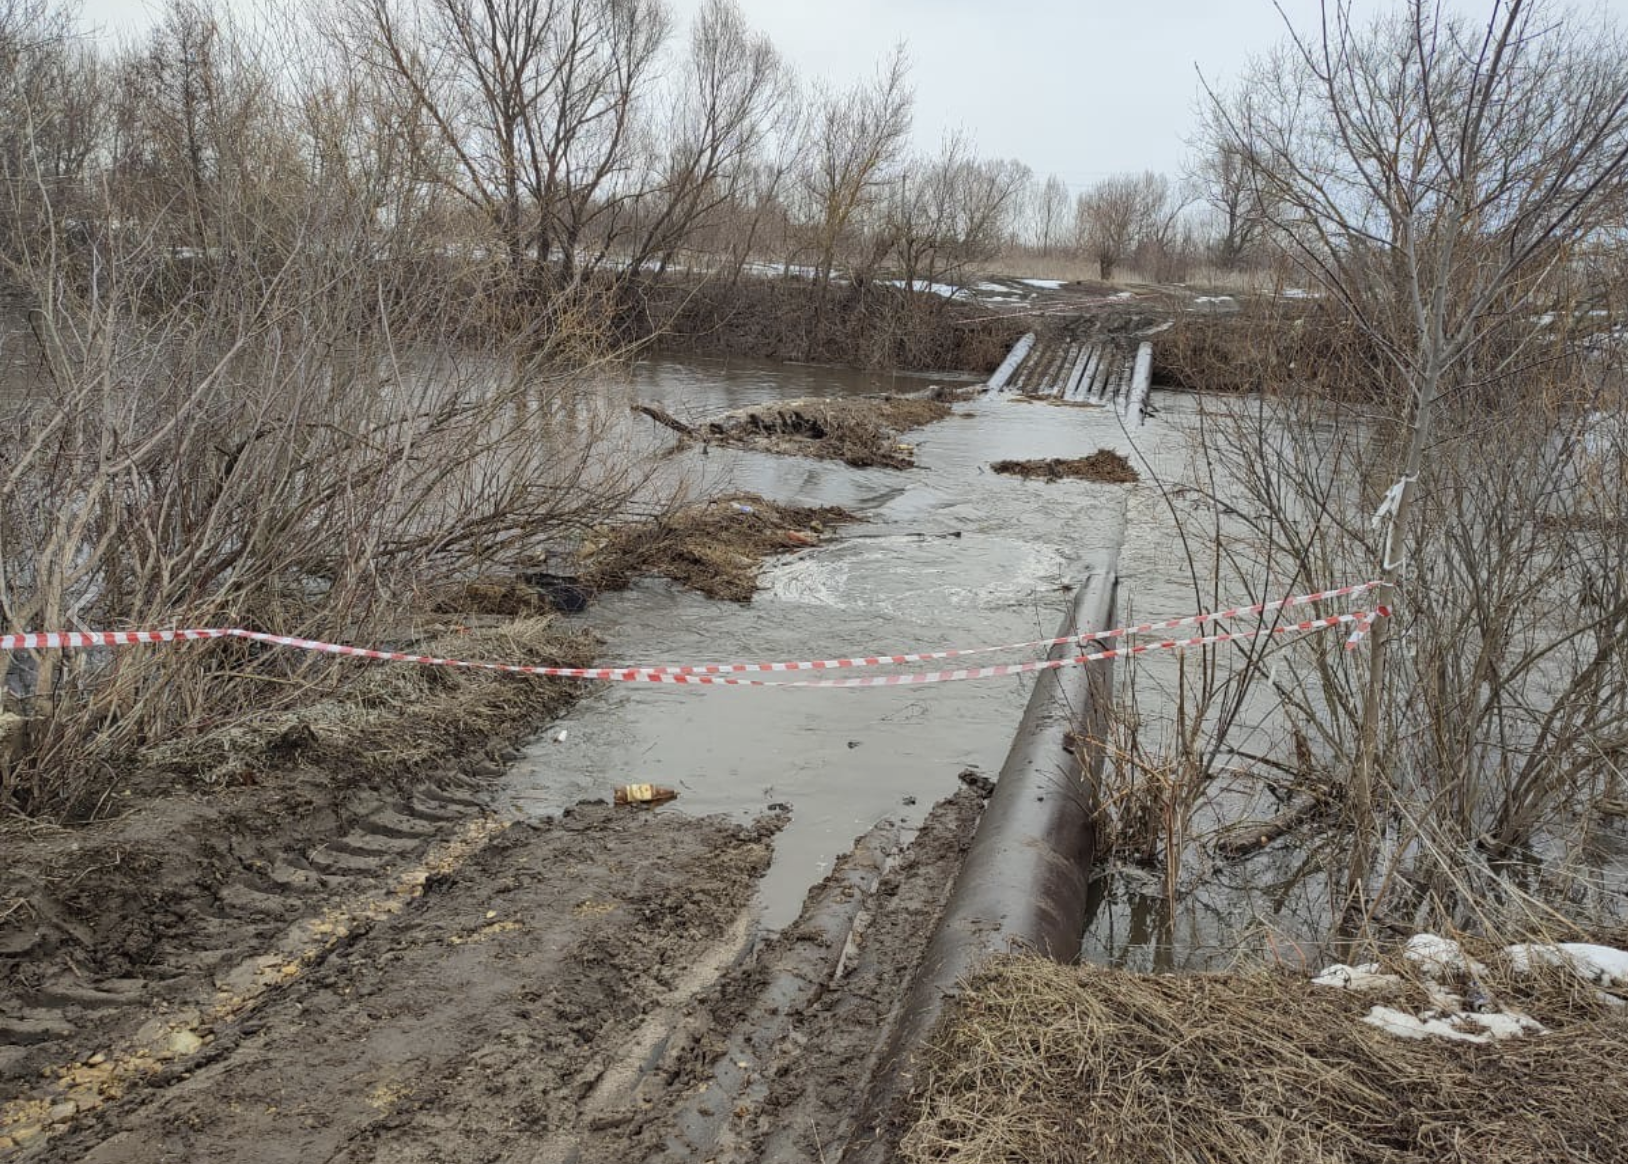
(1389, 506)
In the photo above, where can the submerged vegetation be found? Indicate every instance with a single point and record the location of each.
(1440, 415)
(714, 547)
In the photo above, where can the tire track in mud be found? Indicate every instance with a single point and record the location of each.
(558, 991)
(227, 928)
(461, 1028)
(769, 1063)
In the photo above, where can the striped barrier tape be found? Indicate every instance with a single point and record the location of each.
(1093, 636)
(78, 639)
(67, 640)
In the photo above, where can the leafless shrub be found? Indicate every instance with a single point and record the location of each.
(1482, 719)
(232, 434)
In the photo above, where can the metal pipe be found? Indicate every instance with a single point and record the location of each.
(1024, 882)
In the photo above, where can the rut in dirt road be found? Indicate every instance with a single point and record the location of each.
(565, 994)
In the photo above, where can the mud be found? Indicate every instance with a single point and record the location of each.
(437, 984)
(1103, 466)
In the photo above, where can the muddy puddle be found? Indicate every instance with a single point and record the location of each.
(949, 555)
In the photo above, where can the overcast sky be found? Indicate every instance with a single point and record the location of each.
(1079, 88)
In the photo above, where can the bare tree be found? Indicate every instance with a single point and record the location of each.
(535, 106)
(51, 103)
(953, 213)
(1051, 210)
(1115, 214)
(1433, 174)
(730, 97)
(855, 139)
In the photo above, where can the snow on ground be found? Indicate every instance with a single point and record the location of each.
(1044, 284)
(1446, 1016)
(1601, 965)
(1498, 1025)
(1364, 977)
(1214, 299)
(993, 288)
(1438, 957)
(779, 270)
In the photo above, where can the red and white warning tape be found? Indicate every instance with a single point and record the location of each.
(719, 674)
(1090, 637)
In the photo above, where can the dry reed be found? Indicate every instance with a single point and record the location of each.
(1045, 1063)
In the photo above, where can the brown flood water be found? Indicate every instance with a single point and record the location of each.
(950, 555)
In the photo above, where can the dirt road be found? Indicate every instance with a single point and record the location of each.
(584, 989)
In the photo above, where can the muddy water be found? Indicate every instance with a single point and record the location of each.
(949, 555)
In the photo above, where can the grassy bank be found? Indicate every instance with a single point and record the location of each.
(1054, 1064)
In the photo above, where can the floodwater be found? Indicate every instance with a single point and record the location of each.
(949, 555)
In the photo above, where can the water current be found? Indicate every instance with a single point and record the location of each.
(949, 555)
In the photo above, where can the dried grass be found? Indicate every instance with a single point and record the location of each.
(396, 719)
(1046, 1063)
(862, 432)
(1269, 346)
(1104, 466)
(715, 547)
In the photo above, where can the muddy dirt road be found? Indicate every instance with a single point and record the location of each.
(584, 989)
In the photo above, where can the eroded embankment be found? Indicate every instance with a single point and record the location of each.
(872, 325)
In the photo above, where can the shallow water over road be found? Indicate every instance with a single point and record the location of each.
(949, 555)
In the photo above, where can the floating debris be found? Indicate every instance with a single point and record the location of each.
(1103, 466)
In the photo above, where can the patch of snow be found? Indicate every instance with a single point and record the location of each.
(1363, 977)
(997, 288)
(1299, 293)
(1438, 956)
(1499, 1025)
(1044, 284)
(779, 270)
(1214, 299)
(1601, 965)
(943, 289)
(1123, 295)
(1158, 327)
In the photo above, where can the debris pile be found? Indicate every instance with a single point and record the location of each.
(1103, 466)
(715, 547)
(860, 431)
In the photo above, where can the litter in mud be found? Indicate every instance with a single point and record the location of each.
(715, 547)
(644, 794)
(1103, 466)
(861, 431)
(1040, 1061)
